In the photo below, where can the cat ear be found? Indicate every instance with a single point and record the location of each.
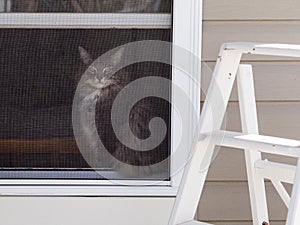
(85, 56)
(117, 57)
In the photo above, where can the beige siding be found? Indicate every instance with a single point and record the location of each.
(251, 10)
(217, 32)
(274, 81)
(226, 199)
(230, 201)
(229, 164)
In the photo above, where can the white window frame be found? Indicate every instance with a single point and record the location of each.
(187, 34)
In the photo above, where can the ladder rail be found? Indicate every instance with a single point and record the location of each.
(195, 174)
(275, 171)
(282, 192)
(249, 121)
(274, 49)
(293, 217)
(226, 70)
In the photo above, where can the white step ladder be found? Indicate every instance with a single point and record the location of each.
(226, 70)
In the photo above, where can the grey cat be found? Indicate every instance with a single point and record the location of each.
(99, 90)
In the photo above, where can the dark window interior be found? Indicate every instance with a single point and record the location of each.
(38, 69)
(88, 6)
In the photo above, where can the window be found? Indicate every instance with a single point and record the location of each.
(87, 6)
(48, 49)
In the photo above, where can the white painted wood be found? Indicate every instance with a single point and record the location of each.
(217, 32)
(249, 122)
(250, 140)
(83, 210)
(275, 171)
(282, 75)
(293, 216)
(112, 182)
(187, 34)
(85, 20)
(251, 10)
(275, 49)
(282, 192)
(188, 194)
(86, 190)
(197, 166)
(267, 144)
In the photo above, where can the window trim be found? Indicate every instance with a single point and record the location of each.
(86, 20)
(187, 27)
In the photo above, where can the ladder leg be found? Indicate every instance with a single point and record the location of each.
(191, 185)
(250, 125)
(211, 119)
(293, 217)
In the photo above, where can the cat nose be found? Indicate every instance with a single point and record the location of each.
(103, 80)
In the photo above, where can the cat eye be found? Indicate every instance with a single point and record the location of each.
(107, 70)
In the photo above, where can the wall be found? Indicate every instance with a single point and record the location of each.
(225, 199)
(277, 80)
(84, 211)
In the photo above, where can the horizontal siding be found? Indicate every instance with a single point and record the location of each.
(274, 81)
(275, 118)
(224, 201)
(217, 32)
(277, 85)
(279, 119)
(229, 165)
(251, 10)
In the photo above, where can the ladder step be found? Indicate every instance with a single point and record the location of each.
(268, 144)
(194, 222)
(264, 49)
(275, 171)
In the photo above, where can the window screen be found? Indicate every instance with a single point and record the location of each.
(40, 71)
(87, 6)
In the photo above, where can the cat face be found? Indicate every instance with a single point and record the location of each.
(101, 78)
(103, 69)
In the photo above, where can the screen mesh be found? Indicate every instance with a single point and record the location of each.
(40, 70)
(86, 6)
